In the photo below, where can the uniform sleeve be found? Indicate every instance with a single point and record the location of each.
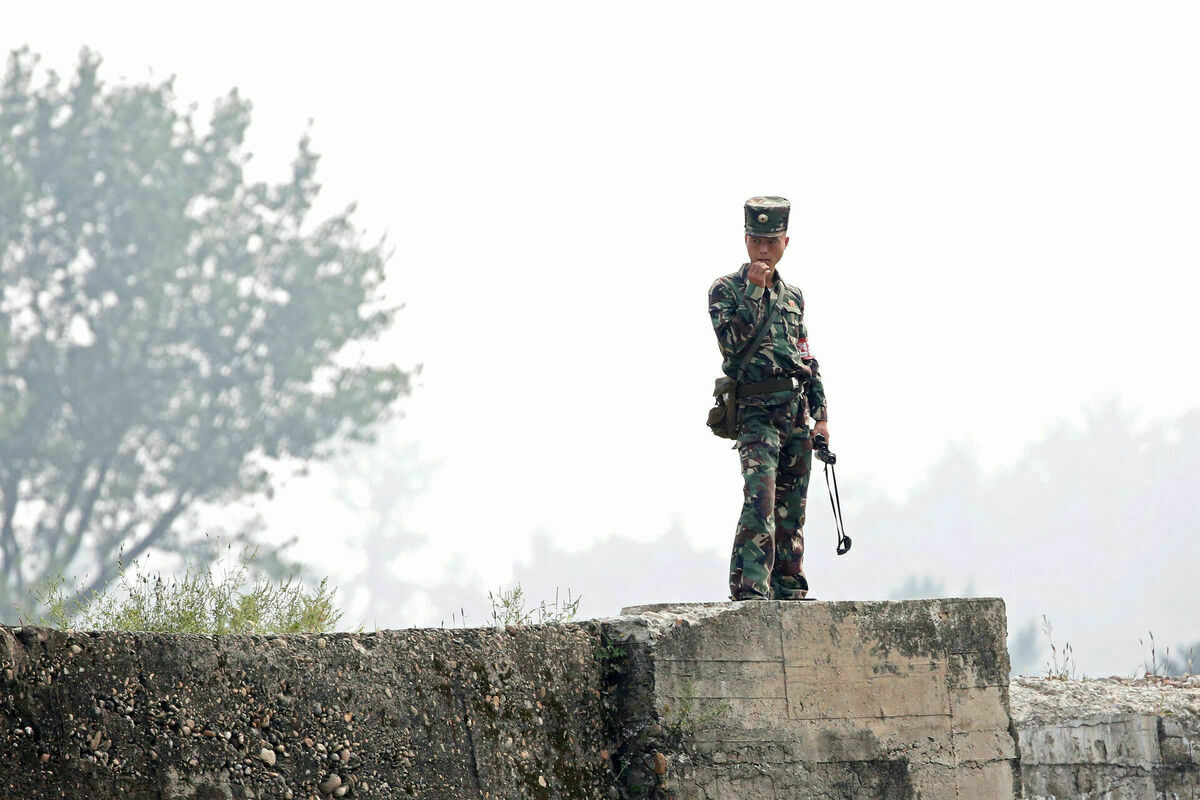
(734, 322)
(814, 392)
(814, 388)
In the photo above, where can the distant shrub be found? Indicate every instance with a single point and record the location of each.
(226, 597)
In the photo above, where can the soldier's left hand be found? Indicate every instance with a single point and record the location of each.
(822, 428)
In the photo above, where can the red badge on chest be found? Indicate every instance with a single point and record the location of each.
(802, 345)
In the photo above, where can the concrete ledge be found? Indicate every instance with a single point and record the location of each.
(848, 700)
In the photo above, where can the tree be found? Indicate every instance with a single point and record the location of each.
(169, 329)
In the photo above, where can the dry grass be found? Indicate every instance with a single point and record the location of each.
(229, 596)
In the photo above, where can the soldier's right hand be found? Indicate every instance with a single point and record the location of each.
(759, 273)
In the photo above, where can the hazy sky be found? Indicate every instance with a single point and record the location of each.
(994, 221)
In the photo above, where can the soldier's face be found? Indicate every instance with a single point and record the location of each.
(768, 249)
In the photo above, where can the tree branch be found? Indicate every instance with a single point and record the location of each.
(8, 537)
(75, 539)
(68, 504)
(108, 571)
(89, 504)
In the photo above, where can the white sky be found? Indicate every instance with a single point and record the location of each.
(994, 221)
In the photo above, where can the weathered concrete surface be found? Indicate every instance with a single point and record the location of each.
(1108, 739)
(416, 713)
(844, 701)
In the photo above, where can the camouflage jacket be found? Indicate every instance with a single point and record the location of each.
(782, 353)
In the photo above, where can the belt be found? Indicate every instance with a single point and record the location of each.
(766, 387)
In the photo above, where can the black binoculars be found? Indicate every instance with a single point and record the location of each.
(821, 450)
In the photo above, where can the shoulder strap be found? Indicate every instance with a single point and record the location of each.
(762, 331)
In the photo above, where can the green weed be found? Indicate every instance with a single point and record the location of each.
(682, 719)
(227, 597)
(609, 656)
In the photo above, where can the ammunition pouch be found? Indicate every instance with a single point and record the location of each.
(722, 417)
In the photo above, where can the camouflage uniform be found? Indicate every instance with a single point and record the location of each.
(773, 439)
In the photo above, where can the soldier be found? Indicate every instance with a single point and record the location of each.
(778, 390)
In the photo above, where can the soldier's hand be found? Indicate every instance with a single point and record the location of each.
(822, 428)
(759, 273)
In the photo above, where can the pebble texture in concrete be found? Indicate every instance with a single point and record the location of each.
(830, 700)
(438, 714)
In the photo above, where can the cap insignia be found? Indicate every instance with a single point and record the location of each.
(762, 218)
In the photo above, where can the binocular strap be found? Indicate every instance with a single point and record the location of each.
(835, 500)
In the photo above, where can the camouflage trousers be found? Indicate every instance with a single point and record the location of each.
(768, 548)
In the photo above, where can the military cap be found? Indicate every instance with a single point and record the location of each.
(767, 216)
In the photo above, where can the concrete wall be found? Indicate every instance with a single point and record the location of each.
(846, 701)
(1117, 757)
(830, 700)
(417, 713)
(1109, 739)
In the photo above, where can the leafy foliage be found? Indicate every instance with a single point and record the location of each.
(610, 655)
(168, 328)
(204, 600)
